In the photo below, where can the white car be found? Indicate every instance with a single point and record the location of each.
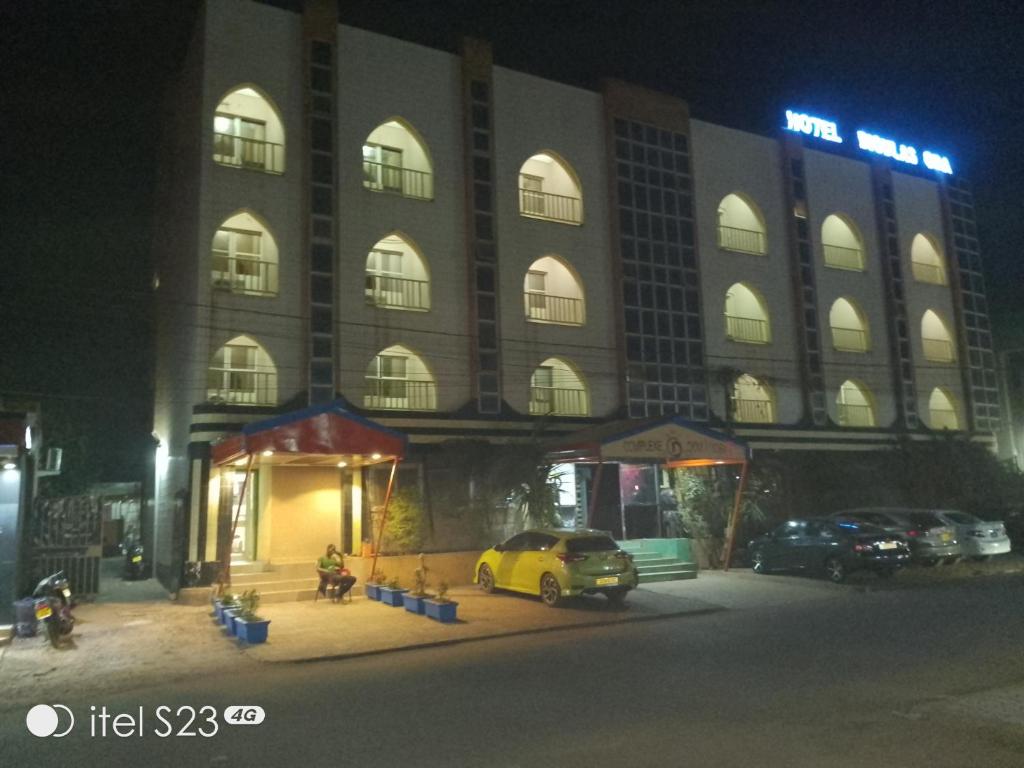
(978, 539)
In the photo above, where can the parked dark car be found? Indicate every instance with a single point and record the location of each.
(931, 539)
(834, 547)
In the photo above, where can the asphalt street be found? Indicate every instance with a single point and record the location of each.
(843, 676)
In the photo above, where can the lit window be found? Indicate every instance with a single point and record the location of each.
(841, 244)
(397, 379)
(741, 226)
(241, 373)
(549, 189)
(746, 319)
(557, 389)
(395, 161)
(247, 132)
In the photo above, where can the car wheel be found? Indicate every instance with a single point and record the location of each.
(758, 563)
(486, 579)
(835, 570)
(550, 590)
(979, 558)
(616, 597)
(951, 560)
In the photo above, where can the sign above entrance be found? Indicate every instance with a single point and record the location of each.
(673, 443)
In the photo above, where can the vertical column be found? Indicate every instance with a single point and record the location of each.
(320, 32)
(971, 306)
(904, 389)
(481, 235)
(805, 289)
(661, 339)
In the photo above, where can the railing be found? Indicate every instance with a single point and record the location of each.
(241, 152)
(545, 205)
(849, 339)
(746, 329)
(938, 350)
(239, 387)
(400, 395)
(841, 257)
(397, 292)
(754, 411)
(944, 418)
(928, 273)
(855, 415)
(241, 275)
(742, 240)
(561, 402)
(406, 182)
(543, 307)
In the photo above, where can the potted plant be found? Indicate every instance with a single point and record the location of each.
(224, 603)
(392, 594)
(441, 608)
(249, 626)
(377, 578)
(414, 599)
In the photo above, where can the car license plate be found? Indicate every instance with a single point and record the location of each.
(947, 536)
(43, 612)
(137, 559)
(605, 580)
(887, 545)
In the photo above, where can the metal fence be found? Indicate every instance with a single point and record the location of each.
(561, 402)
(66, 536)
(545, 205)
(240, 275)
(849, 339)
(241, 387)
(407, 182)
(855, 415)
(397, 292)
(747, 329)
(742, 240)
(544, 307)
(842, 257)
(242, 152)
(400, 395)
(928, 273)
(938, 350)
(753, 411)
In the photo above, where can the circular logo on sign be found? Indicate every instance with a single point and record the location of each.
(675, 448)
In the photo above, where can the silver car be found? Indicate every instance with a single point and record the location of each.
(931, 539)
(978, 539)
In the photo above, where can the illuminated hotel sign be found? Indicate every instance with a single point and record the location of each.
(828, 130)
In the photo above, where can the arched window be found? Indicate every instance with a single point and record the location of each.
(243, 257)
(549, 189)
(854, 405)
(396, 275)
(936, 339)
(842, 243)
(557, 388)
(242, 373)
(247, 132)
(396, 160)
(398, 379)
(741, 226)
(752, 401)
(552, 293)
(849, 328)
(942, 411)
(926, 262)
(746, 316)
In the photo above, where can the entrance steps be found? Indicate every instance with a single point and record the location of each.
(661, 559)
(277, 583)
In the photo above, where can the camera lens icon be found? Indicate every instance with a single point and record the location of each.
(43, 720)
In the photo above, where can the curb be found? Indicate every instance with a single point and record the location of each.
(496, 636)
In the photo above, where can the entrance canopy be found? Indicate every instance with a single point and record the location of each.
(669, 440)
(321, 435)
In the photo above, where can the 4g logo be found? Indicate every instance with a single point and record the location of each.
(244, 715)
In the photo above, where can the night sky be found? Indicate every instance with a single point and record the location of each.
(80, 119)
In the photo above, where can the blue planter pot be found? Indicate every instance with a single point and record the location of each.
(252, 632)
(443, 612)
(414, 604)
(392, 597)
(221, 608)
(373, 591)
(230, 617)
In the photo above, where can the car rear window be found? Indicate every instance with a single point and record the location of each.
(590, 544)
(855, 526)
(925, 520)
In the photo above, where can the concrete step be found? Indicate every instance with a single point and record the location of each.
(255, 566)
(677, 575)
(667, 567)
(274, 585)
(295, 595)
(649, 561)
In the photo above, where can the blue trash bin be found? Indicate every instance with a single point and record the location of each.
(25, 623)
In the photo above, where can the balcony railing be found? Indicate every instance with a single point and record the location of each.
(841, 257)
(741, 240)
(753, 411)
(938, 350)
(944, 418)
(849, 339)
(855, 415)
(400, 395)
(928, 273)
(230, 385)
(397, 292)
(254, 154)
(244, 275)
(545, 308)
(406, 182)
(551, 207)
(560, 402)
(746, 329)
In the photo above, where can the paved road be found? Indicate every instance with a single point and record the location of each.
(834, 676)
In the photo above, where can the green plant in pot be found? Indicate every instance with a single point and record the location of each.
(226, 602)
(250, 626)
(441, 607)
(414, 600)
(377, 578)
(392, 593)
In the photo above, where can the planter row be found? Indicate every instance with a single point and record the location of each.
(445, 612)
(251, 632)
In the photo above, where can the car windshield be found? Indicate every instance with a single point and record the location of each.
(854, 526)
(925, 520)
(590, 544)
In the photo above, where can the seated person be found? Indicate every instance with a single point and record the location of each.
(332, 570)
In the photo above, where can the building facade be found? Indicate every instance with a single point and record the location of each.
(455, 249)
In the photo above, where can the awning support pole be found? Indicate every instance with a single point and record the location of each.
(384, 516)
(225, 552)
(592, 506)
(734, 519)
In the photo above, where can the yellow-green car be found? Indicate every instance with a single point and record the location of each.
(556, 563)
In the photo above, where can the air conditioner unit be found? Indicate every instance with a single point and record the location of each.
(53, 459)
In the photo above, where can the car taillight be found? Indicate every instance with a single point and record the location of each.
(862, 547)
(570, 557)
(914, 533)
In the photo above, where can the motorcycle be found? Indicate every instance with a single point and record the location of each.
(53, 607)
(134, 560)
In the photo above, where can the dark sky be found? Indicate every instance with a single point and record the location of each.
(80, 119)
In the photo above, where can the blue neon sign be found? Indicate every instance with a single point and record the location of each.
(828, 130)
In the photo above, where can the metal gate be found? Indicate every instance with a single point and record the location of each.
(66, 536)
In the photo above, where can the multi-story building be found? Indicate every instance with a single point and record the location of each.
(455, 249)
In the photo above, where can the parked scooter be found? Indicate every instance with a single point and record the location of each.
(134, 559)
(53, 607)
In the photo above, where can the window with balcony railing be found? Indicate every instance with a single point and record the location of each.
(557, 389)
(936, 340)
(240, 262)
(241, 373)
(853, 406)
(849, 328)
(552, 293)
(752, 401)
(841, 257)
(841, 243)
(942, 411)
(396, 161)
(398, 380)
(248, 133)
(741, 226)
(750, 330)
(741, 240)
(396, 276)
(549, 190)
(849, 339)
(926, 262)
